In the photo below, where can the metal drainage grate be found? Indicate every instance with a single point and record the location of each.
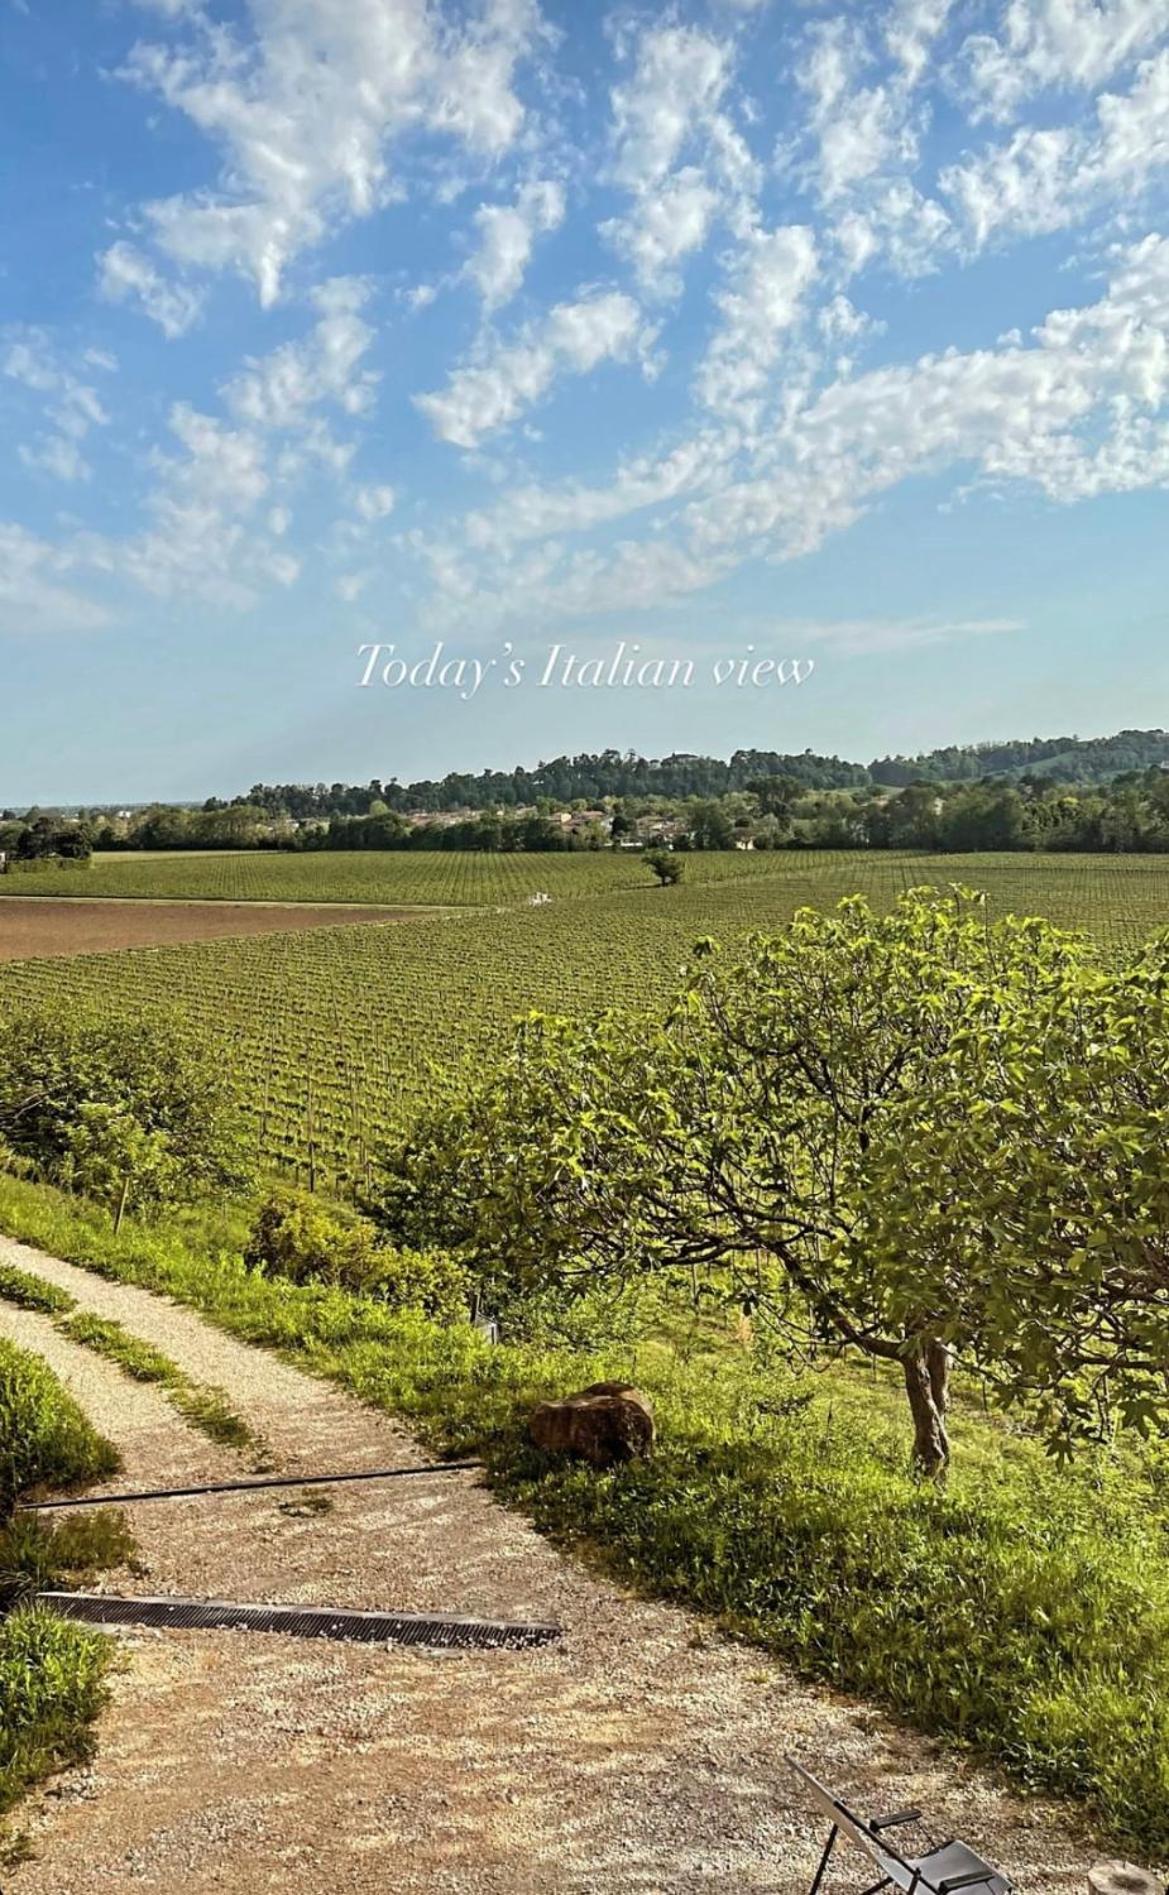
(298, 1621)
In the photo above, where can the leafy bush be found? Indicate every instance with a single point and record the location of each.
(298, 1238)
(51, 1672)
(668, 868)
(52, 1686)
(115, 1109)
(44, 1437)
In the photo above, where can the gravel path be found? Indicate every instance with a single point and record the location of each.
(639, 1753)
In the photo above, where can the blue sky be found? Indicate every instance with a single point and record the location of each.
(831, 332)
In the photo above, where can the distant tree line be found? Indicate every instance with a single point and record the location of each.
(985, 800)
(594, 779)
(41, 838)
(584, 778)
(493, 831)
(1057, 759)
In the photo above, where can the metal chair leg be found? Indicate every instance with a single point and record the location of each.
(828, 1848)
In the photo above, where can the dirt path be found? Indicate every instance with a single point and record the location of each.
(640, 1753)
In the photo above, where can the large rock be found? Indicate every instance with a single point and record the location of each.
(605, 1424)
(1121, 1878)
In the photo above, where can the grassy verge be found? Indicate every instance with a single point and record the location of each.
(207, 1409)
(45, 1440)
(51, 1673)
(1023, 1611)
(32, 1292)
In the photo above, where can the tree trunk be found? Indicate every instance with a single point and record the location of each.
(927, 1374)
(937, 1357)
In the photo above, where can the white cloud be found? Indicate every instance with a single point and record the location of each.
(676, 91)
(71, 406)
(1075, 410)
(127, 276)
(58, 456)
(304, 111)
(643, 482)
(32, 601)
(571, 340)
(1047, 178)
(278, 390)
(762, 304)
(859, 144)
(374, 503)
(860, 131)
(507, 237)
(219, 515)
(677, 151)
(911, 30)
(1075, 407)
(1056, 43)
(665, 226)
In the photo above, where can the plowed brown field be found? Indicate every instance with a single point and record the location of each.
(32, 929)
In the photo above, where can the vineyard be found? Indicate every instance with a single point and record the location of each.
(336, 1036)
(429, 878)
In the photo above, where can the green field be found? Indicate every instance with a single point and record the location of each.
(428, 878)
(334, 1037)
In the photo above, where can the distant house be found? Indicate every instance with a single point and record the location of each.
(657, 828)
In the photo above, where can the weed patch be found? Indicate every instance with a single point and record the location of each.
(51, 1672)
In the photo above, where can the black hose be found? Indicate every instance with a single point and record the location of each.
(244, 1486)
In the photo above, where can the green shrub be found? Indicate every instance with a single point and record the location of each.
(45, 1440)
(51, 1672)
(116, 1110)
(52, 1686)
(300, 1239)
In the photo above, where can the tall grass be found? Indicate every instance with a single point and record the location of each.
(45, 1439)
(52, 1686)
(51, 1672)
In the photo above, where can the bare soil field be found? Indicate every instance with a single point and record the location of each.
(34, 929)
